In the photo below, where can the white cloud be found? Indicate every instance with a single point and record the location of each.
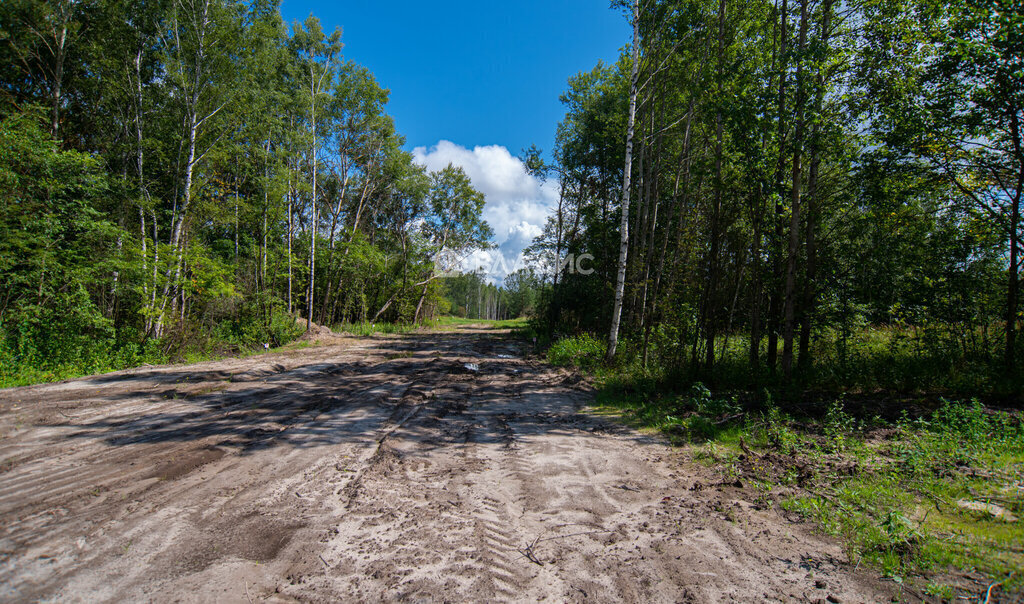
(517, 203)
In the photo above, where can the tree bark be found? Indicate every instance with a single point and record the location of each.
(313, 90)
(1010, 356)
(794, 219)
(716, 211)
(813, 199)
(620, 280)
(774, 296)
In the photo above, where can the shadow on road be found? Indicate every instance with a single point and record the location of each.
(326, 403)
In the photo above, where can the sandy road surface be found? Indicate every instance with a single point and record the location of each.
(376, 469)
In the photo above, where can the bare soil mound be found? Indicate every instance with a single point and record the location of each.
(315, 333)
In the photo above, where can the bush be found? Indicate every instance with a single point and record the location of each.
(582, 351)
(250, 330)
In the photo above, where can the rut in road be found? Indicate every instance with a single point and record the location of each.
(377, 468)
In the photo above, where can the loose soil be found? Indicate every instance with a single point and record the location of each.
(384, 468)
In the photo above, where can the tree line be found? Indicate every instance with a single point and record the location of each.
(176, 170)
(784, 187)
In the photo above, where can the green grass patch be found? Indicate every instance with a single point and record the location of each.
(937, 493)
(924, 499)
(583, 351)
(450, 321)
(23, 363)
(440, 323)
(369, 329)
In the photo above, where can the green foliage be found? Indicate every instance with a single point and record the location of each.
(583, 351)
(838, 424)
(157, 193)
(50, 235)
(828, 198)
(889, 491)
(901, 510)
(777, 430)
(369, 329)
(249, 329)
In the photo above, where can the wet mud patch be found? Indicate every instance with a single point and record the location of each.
(253, 537)
(185, 462)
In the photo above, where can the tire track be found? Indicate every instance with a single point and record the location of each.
(391, 472)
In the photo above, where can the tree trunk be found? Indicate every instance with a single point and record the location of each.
(774, 296)
(620, 280)
(754, 352)
(236, 219)
(1010, 356)
(291, 233)
(143, 190)
(716, 212)
(794, 220)
(813, 199)
(60, 42)
(313, 229)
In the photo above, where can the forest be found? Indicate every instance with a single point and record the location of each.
(774, 192)
(805, 219)
(798, 192)
(181, 177)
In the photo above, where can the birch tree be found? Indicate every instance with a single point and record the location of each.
(318, 58)
(620, 278)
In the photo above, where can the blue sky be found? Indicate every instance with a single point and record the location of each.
(471, 72)
(474, 83)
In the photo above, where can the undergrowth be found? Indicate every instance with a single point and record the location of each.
(30, 358)
(440, 323)
(937, 495)
(926, 488)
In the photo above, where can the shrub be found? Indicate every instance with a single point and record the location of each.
(582, 351)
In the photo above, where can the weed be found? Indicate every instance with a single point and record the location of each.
(889, 491)
(583, 351)
(838, 425)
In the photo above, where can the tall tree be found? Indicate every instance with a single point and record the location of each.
(318, 55)
(620, 278)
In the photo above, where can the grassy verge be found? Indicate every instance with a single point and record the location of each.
(930, 493)
(513, 324)
(369, 329)
(226, 340)
(440, 323)
(26, 365)
(19, 375)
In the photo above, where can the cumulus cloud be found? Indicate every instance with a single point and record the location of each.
(517, 204)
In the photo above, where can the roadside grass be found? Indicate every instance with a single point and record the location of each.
(899, 494)
(926, 489)
(237, 341)
(15, 376)
(451, 321)
(369, 329)
(891, 358)
(39, 357)
(926, 495)
(440, 323)
(12, 377)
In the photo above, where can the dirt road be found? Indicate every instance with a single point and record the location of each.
(379, 468)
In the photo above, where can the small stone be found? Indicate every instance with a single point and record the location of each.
(833, 599)
(820, 584)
